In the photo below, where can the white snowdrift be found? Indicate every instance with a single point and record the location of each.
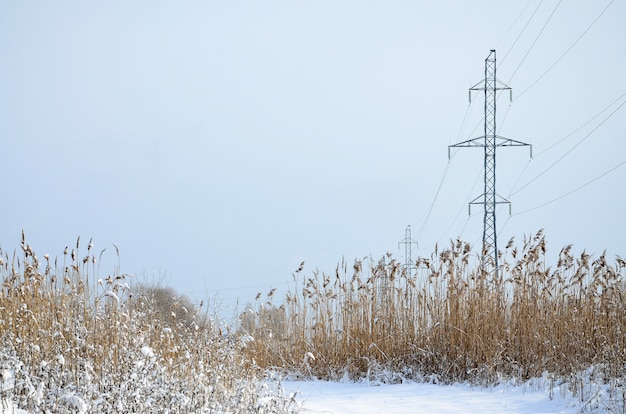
(361, 398)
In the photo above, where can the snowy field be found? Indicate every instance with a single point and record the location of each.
(360, 398)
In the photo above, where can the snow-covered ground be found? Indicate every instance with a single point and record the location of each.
(7, 407)
(361, 398)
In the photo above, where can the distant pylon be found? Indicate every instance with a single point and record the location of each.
(408, 247)
(489, 141)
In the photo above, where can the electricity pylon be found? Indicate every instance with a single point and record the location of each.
(489, 141)
(408, 247)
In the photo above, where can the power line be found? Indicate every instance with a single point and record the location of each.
(504, 225)
(512, 192)
(580, 127)
(535, 82)
(520, 34)
(458, 138)
(574, 190)
(513, 24)
(505, 114)
(566, 52)
(519, 178)
(535, 156)
(452, 154)
(467, 199)
(501, 123)
(453, 222)
(535, 41)
(443, 177)
(464, 123)
(464, 226)
(570, 150)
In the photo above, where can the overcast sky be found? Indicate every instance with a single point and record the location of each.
(220, 144)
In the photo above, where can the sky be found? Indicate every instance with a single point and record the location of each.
(220, 144)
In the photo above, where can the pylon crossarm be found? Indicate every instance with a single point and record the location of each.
(476, 88)
(501, 200)
(480, 86)
(474, 142)
(483, 203)
(480, 201)
(475, 201)
(508, 142)
(504, 85)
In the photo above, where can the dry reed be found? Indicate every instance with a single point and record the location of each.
(448, 322)
(71, 341)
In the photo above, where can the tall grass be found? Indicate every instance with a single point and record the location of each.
(449, 321)
(72, 341)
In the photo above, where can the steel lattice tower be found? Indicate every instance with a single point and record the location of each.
(489, 141)
(408, 247)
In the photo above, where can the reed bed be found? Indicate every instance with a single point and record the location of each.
(74, 342)
(448, 321)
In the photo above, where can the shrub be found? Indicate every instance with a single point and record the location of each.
(71, 341)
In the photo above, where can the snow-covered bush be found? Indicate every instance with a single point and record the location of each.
(71, 342)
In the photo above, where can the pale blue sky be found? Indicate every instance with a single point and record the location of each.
(219, 144)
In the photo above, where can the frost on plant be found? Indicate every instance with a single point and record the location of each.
(69, 344)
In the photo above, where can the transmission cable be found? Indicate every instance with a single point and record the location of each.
(570, 150)
(458, 137)
(566, 51)
(520, 34)
(513, 24)
(430, 210)
(461, 210)
(559, 141)
(536, 38)
(580, 127)
(519, 178)
(512, 192)
(443, 177)
(504, 225)
(501, 123)
(574, 190)
(464, 226)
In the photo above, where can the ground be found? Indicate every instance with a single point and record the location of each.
(363, 398)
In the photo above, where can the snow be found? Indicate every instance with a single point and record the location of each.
(147, 351)
(411, 397)
(8, 408)
(76, 402)
(112, 295)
